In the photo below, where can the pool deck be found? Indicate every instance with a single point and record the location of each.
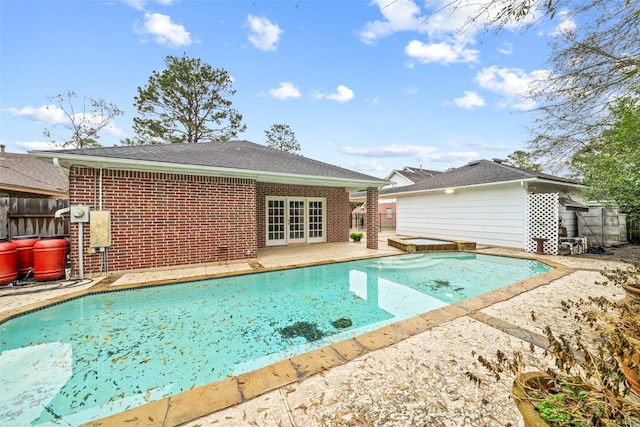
(411, 373)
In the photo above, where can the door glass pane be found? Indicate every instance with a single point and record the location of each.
(315, 219)
(275, 220)
(296, 219)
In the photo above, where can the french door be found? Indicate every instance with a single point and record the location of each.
(295, 220)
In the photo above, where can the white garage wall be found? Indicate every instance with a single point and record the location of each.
(490, 216)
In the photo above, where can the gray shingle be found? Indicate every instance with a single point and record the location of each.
(30, 173)
(241, 155)
(474, 173)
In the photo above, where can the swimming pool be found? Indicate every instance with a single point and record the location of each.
(87, 361)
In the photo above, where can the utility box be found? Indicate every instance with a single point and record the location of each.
(79, 213)
(100, 229)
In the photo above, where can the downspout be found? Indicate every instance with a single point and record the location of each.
(100, 187)
(105, 256)
(58, 166)
(56, 163)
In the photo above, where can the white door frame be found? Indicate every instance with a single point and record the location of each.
(295, 220)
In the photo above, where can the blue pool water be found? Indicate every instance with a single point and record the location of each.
(105, 353)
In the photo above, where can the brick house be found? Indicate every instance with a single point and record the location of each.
(182, 204)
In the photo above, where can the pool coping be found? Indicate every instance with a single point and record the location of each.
(405, 244)
(204, 400)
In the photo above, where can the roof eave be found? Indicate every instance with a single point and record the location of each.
(59, 194)
(518, 181)
(69, 160)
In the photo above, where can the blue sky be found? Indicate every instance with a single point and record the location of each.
(371, 86)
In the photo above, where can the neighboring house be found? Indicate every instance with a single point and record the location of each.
(490, 203)
(387, 208)
(25, 176)
(409, 176)
(178, 204)
(31, 190)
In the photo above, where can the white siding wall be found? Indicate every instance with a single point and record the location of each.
(398, 180)
(569, 218)
(494, 216)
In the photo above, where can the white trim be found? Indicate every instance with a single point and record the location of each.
(323, 237)
(287, 217)
(303, 217)
(284, 231)
(70, 160)
(486, 184)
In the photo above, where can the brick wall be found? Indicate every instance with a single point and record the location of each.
(337, 214)
(372, 218)
(161, 219)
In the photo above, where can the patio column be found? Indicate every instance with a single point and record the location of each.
(372, 218)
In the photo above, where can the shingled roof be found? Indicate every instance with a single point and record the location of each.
(477, 173)
(232, 158)
(414, 174)
(26, 175)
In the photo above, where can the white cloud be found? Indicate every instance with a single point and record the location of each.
(394, 150)
(506, 48)
(567, 25)
(442, 52)
(140, 4)
(399, 15)
(111, 129)
(343, 94)
(50, 115)
(37, 145)
(512, 84)
(365, 166)
(284, 90)
(441, 22)
(47, 114)
(469, 100)
(438, 19)
(422, 153)
(264, 35)
(486, 146)
(457, 157)
(164, 31)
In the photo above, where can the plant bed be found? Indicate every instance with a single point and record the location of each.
(542, 402)
(587, 384)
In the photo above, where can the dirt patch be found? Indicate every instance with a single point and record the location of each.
(629, 252)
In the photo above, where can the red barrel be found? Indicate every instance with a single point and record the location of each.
(24, 246)
(8, 262)
(50, 258)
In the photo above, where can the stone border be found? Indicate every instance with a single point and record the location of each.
(233, 390)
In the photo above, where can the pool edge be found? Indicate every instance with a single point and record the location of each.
(233, 390)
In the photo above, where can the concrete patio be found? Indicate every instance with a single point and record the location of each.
(408, 374)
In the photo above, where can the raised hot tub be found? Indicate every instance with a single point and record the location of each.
(428, 244)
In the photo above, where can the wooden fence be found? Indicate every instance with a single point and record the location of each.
(22, 217)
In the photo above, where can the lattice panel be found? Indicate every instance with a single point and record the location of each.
(542, 221)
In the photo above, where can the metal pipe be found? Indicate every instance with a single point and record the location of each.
(59, 212)
(80, 246)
